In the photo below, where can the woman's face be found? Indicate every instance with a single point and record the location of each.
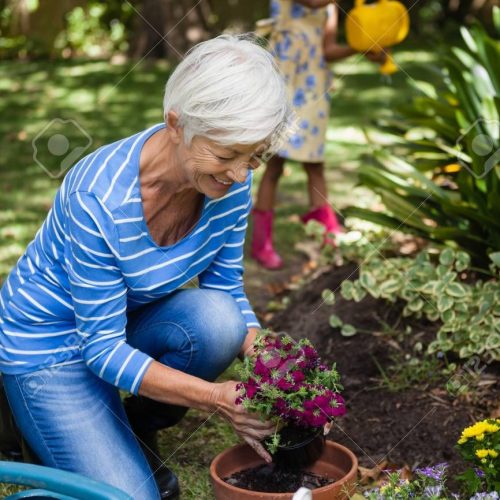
(212, 168)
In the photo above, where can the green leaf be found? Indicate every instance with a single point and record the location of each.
(348, 330)
(456, 290)
(389, 287)
(328, 297)
(444, 303)
(448, 316)
(335, 321)
(495, 258)
(346, 289)
(416, 305)
(447, 257)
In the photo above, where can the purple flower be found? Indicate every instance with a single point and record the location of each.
(432, 491)
(284, 385)
(492, 495)
(261, 369)
(479, 472)
(437, 472)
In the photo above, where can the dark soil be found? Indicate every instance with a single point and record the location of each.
(417, 426)
(271, 479)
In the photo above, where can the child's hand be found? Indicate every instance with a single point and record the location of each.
(376, 57)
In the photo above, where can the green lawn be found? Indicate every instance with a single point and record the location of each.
(109, 102)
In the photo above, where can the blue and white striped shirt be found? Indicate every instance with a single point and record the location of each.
(94, 259)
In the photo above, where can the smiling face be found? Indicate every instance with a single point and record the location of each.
(213, 168)
(209, 167)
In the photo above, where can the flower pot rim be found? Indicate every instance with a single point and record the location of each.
(347, 477)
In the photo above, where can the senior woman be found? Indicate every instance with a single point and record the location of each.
(95, 303)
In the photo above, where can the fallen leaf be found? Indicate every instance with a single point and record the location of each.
(367, 475)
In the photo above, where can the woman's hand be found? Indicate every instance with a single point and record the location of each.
(248, 426)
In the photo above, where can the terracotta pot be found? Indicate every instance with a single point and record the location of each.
(336, 462)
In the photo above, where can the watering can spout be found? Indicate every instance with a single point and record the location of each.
(377, 26)
(389, 67)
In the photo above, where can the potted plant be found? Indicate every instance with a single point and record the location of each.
(286, 382)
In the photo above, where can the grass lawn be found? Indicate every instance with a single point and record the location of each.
(108, 102)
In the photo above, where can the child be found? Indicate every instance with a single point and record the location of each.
(303, 39)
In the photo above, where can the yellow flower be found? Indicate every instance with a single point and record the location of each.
(478, 429)
(480, 437)
(481, 453)
(462, 440)
(483, 460)
(493, 453)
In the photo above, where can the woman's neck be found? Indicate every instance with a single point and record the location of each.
(160, 168)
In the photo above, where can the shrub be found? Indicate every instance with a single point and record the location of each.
(469, 312)
(447, 187)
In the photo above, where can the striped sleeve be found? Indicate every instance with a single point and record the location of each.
(99, 294)
(226, 270)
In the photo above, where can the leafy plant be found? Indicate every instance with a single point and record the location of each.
(447, 187)
(286, 382)
(479, 445)
(429, 483)
(469, 312)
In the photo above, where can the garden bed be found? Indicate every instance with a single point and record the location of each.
(417, 425)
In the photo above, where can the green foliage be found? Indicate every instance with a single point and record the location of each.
(90, 32)
(408, 371)
(447, 189)
(469, 312)
(428, 483)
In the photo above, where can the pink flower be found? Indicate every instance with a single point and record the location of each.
(261, 369)
(284, 385)
(251, 388)
(297, 376)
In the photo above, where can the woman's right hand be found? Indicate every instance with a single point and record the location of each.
(248, 426)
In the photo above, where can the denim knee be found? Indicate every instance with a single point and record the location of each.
(221, 325)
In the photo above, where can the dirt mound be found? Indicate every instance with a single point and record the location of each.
(416, 426)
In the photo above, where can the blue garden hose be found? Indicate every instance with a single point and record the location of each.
(55, 484)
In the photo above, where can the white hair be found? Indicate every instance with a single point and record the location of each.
(229, 90)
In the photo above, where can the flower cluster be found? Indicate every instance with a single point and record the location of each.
(479, 445)
(429, 483)
(286, 381)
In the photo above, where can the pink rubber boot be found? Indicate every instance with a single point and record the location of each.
(262, 240)
(326, 216)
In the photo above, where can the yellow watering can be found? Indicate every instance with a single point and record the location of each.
(377, 26)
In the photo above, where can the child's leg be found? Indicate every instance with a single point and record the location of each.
(318, 198)
(262, 237)
(266, 194)
(316, 184)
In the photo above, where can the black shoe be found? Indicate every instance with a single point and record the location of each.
(166, 480)
(146, 416)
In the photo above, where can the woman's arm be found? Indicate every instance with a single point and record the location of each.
(168, 385)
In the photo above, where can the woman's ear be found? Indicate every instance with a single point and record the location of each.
(173, 127)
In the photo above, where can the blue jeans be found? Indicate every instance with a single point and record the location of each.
(75, 421)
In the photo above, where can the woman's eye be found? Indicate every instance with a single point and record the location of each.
(223, 158)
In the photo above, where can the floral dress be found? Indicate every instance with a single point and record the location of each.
(297, 43)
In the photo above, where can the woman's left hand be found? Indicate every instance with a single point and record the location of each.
(249, 426)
